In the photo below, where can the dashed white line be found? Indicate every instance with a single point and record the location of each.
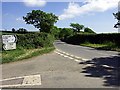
(75, 58)
(70, 58)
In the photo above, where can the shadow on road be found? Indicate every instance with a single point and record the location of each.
(107, 68)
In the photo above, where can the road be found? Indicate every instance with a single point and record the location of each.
(69, 66)
(83, 52)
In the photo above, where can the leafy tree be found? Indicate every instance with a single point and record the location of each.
(88, 30)
(41, 20)
(65, 33)
(117, 16)
(13, 30)
(76, 27)
(55, 31)
(22, 30)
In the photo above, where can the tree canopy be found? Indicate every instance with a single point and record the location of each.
(77, 27)
(88, 30)
(117, 16)
(22, 30)
(41, 20)
(65, 32)
(13, 29)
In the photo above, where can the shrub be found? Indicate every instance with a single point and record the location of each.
(35, 40)
(88, 30)
(65, 33)
(55, 32)
(94, 38)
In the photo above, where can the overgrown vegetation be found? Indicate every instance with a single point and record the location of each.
(41, 20)
(99, 41)
(21, 53)
(117, 16)
(65, 33)
(103, 46)
(29, 45)
(36, 40)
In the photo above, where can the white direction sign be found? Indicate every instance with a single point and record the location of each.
(8, 39)
(9, 46)
(9, 42)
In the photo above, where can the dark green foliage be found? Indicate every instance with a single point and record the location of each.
(76, 27)
(13, 30)
(88, 30)
(35, 40)
(22, 31)
(55, 32)
(41, 20)
(94, 38)
(65, 33)
(117, 16)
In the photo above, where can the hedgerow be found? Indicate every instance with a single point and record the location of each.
(94, 38)
(35, 40)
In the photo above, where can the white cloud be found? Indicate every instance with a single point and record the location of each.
(35, 3)
(19, 19)
(90, 6)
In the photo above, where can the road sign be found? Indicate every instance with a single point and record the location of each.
(9, 46)
(9, 42)
(9, 39)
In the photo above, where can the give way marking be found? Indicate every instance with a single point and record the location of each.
(27, 81)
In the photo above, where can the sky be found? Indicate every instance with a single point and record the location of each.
(95, 14)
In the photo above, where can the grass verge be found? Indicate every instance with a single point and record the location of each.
(105, 46)
(20, 54)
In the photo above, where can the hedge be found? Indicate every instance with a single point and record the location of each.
(94, 38)
(35, 40)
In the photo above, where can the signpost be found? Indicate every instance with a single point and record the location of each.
(9, 46)
(9, 42)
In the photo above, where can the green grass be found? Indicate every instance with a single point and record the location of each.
(93, 45)
(104, 46)
(20, 54)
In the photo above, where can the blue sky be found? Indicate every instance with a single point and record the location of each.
(88, 13)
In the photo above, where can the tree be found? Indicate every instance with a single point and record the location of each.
(55, 31)
(65, 33)
(76, 27)
(41, 20)
(88, 30)
(117, 16)
(22, 30)
(13, 30)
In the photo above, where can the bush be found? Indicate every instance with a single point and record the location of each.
(65, 33)
(55, 32)
(94, 38)
(35, 40)
(88, 30)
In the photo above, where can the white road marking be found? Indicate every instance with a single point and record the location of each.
(66, 56)
(85, 59)
(17, 85)
(75, 58)
(70, 58)
(27, 81)
(32, 80)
